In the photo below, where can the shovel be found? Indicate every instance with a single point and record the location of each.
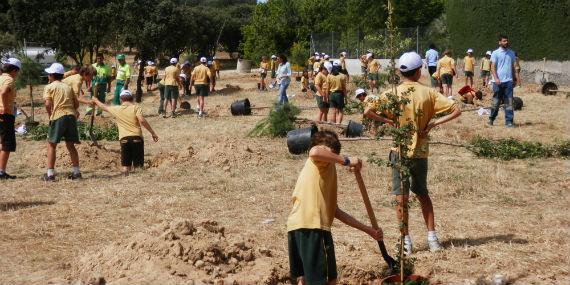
(389, 260)
(93, 111)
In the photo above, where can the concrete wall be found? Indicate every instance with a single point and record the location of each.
(531, 71)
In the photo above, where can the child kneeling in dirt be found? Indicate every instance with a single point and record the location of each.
(129, 118)
(311, 250)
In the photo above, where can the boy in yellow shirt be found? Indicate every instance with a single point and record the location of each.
(425, 103)
(217, 66)
(469, 67)
(129, 119)
(373, 72)
(311, 248)
(61, 105)
(171, 86)
(445, 72)
(263, 68)
(337, 93)
(322, 98)
(200, 79)
(486, 68)
(10, 69)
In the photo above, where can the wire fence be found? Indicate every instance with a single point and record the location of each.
(356, 43)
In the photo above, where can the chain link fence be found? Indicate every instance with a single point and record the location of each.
(356, 43)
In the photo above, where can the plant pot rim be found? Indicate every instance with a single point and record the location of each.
(411, 277)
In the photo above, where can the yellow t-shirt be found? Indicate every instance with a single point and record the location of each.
(321, 81)
(201, 74)
(75, 82)
(373, 66)
(343, 63)
(264, 66)
(63, 99)
(336, 82)
(423, 98)
(126, 118)
(304, 81)
(69, 73)
(445, 65)
(148, 71)
(7, 81)
(170, 74)
(469, 63)
(315, 197)
(216, 65)
(486, 64)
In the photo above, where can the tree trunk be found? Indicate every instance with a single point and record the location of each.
(143, 58)
(32, 101)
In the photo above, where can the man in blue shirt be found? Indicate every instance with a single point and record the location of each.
(504, 79)
(432, 56)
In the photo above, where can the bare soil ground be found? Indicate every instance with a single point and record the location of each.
(212, 204)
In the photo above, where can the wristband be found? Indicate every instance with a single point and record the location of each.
(346, 161)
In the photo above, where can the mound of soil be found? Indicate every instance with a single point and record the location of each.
(181, 251)
(225, 152)
(90, 157)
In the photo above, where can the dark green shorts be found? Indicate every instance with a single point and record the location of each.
(311, 255)
(373, 76)
(418, 175)
(485, 73)
(336, 100)
(64, 127)
(170, 92)
(320, 103)
(468, 73)
(446, 78)
(202, 89)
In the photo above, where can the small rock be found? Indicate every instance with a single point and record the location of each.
(227, 168)
(199, 264)
(233, 260)
(473, 254)
(499, 279)
(265, 251)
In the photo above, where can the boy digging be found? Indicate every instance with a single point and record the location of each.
(61, 105)
(129, 118)
(10, 69)
(311, 249)
(424, 104)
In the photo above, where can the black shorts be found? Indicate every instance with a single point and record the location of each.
(417, 181)
(447, 79)
(7, 133)
(432, 70)
(336, 100)
(263, 75)
(149, 80)
(65, 128)
(311, 255)
(202, 89)
(132, 151)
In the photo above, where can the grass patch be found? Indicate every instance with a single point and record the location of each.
(510, 148)
(110, 133)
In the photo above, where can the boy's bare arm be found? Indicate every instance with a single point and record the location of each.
(324, 154)
(352, 222)
(147, 126)
(49, 106)
(368, 113)
(100, 104)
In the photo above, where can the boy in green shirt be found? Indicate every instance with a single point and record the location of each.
(123, 78)
(311, 249)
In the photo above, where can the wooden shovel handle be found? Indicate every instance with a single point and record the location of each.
(366, 199)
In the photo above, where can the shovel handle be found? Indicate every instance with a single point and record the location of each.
(389, 260)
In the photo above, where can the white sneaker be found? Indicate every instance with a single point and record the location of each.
(434, 245)
(408, 246)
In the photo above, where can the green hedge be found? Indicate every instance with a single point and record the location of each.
(536, 28)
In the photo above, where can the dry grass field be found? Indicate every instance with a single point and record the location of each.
(493, 217)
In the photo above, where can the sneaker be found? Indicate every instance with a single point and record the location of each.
(434, 245)
(6, 176)
(173, 115)
(509, 125)
(164, 115)
(48, 178)
(490, 122)
(408, 247)
(200, 114)
(74, 176)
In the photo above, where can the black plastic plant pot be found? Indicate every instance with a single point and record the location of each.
(548, 87)
(241, 108)
(517, 103)
(299, 140)
(185, 105)
(354, 129)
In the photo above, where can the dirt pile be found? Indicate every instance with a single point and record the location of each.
(90, 157)
(180, 251)
(226, 153)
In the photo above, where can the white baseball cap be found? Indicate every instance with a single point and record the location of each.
(368, 55)
(488, 52)
(336, 63)
(149, 62)
(317, 57)
(126, 93)
(55, 68)
(470, 50)
(343, 53)
(326, 56)
(173, 60)
(409, 61)
(214, 57)
(203, 60)
(316, 53)
(359, 92)
(273, 56)
(209, 62)
(183, 75)
(13, 61)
